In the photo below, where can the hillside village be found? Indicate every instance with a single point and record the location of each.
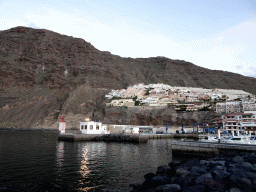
(236, 108)
(184, 98)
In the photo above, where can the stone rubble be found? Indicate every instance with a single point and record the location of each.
(231, 172)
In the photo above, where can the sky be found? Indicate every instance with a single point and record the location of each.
(219, 34)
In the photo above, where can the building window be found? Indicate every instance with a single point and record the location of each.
(85, 127)
(91, 127)
(82, 127)
(97, 127)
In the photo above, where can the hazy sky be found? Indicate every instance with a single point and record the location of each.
(215, 34)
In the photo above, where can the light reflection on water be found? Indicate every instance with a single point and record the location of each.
(60, 155)
(84, 170)
(37, 161)
(119, 164)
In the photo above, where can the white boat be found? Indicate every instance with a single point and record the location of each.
(208, 138)
(253, 140)
(224, 139)
(229, 139)
(239, 139)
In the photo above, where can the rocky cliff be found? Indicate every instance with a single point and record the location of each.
(157, 116)
(44, 74)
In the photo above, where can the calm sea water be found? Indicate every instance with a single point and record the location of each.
(37, 161)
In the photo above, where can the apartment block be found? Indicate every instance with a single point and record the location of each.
(221, 107)
(239, 122)
(249, 106)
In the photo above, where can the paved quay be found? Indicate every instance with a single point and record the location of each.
(167, 136)
(200, 148)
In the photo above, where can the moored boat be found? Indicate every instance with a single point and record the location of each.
(208, 138)
(229, 139)
(239, 139)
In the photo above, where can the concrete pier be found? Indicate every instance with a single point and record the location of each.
(167, 136)
(120, 137)
(103, 137)
(199, 148)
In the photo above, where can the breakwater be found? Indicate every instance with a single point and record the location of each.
(103, 137)
(225, 172)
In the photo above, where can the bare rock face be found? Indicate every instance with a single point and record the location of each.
(44, 75)
(154, 116)
(43, 108)
(30, 108)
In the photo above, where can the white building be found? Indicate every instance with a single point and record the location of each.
(121, 102)
(237, 107)
(140, 130)
(234, 107)
(249, 106)
(151, 101)
(221, 107)
(230, 107)
(92, 127)
(239, 122)
(167, 101)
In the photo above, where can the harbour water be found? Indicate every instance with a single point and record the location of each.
(37, 161)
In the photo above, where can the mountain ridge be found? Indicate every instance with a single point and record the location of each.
(50, 67)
